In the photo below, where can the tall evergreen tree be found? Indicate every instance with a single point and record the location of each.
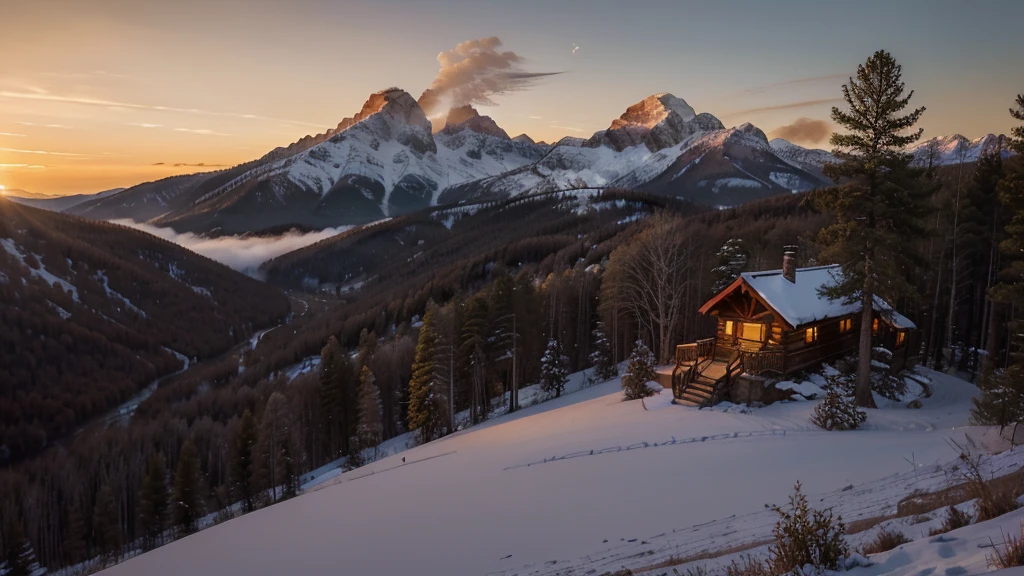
(280, 456)
(732, 260)
(21, 558)
(426, 412)
(370, 420)
(242, 472)
(475, 355)
(106, 529)
(153, 501)
(73, 542)
(337, 397)
(187, 504)
(554, 371)
(601, 356)
(879, 199)
(1002, 398)
(1017, 132)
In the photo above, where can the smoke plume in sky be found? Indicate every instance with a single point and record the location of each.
(804, 131)
(244, 254)
(473, 72)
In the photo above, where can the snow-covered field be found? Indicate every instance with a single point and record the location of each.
(585, 484)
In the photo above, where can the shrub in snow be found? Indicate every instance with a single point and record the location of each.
(554, 371)
(837, 412)
(885, 540)
(955, 518)
(807, 541)
(806, 536)
(601, 357)
(1010, 553)
(748, 565)
(883, 382)
(993, 499)
(639, 372)
(1001, 401)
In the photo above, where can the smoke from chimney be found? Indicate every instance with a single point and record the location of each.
(789, 263)
(473, 72)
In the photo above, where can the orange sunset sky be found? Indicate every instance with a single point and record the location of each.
(96, 94)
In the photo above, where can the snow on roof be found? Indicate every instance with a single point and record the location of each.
(800, 303)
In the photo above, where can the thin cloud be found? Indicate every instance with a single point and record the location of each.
(46, 152)
(789, 106)
(567, 128)
(203, 131)
(109, 103)
(796, 82)
(144, 125)
(29, 166)
(535, 117)
(58, 126)
(12, 134)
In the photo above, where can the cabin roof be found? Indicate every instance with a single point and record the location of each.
(799, 303)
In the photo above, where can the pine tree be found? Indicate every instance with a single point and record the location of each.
(279, 455)
(1002, 398)
(337, 398)
(554, 371)
(1017, 132)
(187, 504)
(601, 357)
(73, 542)
(21, 559)
(639, 372)
(879, 200)
(242, 472)
(153, 501)
(370, 419)
(475, 355)
(106, 530)
(837, 412)
(732, 259)
(425, 411)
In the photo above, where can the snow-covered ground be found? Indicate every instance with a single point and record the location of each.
(585, 484)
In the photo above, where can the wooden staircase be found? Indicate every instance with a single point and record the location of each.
(701, 390)
(703, 372)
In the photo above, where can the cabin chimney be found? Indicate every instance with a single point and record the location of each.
(789, 263)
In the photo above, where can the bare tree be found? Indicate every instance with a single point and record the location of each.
(655, 272)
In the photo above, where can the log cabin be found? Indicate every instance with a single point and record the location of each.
(774, 323)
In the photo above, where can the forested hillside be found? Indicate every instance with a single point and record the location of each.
(92, 312)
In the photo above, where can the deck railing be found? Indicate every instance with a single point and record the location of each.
(761, 361)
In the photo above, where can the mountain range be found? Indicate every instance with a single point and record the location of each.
(386, 161)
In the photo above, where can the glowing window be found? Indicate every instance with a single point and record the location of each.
(811, 335)
(874, 326)
(728, 327)
(751, 331)
(845, 325)
(900, 337)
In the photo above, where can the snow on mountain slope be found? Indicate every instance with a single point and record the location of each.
(385, 163)
(811, 159)
(658, 145)
(947, 150)
(577, 485)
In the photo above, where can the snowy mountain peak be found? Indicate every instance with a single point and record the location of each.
(950, 149)
(396, 103)
(748, 128)
(658, 121)
(467, 118)
(653, 110)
